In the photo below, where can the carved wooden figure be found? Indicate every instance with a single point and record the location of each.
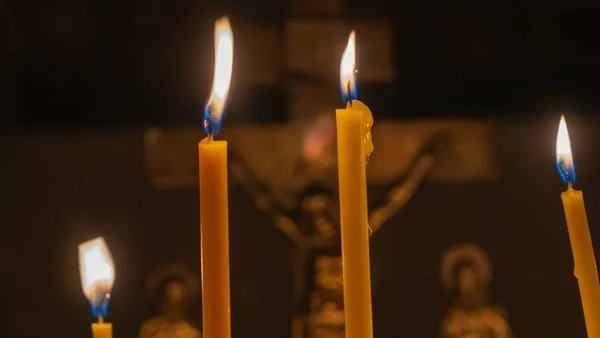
(312, 223)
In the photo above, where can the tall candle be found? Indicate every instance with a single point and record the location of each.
(354, 147)
(214, 209)
(97, 278)
(579, 234)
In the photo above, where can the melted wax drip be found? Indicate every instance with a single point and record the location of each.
(367, 118)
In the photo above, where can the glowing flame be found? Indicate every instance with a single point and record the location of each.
(564, 157)
(97, 274)
(348, 71)
(213, 113)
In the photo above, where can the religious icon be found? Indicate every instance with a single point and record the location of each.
(174, 289)
(466, 271)
(312, 223)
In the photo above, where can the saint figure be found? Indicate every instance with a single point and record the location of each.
(467, 272)
(174, 289)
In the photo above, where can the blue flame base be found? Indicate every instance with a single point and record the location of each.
(348, 94)
(212, 124)
(351, 91)
(567, 173)
(100, 309)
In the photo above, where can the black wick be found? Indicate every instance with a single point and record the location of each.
(348, 88)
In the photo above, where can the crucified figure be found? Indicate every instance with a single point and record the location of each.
(313, 225)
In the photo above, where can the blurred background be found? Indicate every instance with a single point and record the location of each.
(101, 108)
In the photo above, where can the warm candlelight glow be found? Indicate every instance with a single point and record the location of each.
(353, 132)
(213, 113)
(564, 157)
(97, 274)
(348, 71)
(585, 269)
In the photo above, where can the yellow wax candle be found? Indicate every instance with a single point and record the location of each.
(214, 209)
(214, 236)
(354, 146)
(579, 234)
(101, 329)
(97, 279)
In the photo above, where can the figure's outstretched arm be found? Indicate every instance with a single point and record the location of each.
(264, 199)
(402, 189)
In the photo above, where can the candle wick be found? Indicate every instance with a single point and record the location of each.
(100, 319)
(570, 185)
(350, 93)
(210, 137)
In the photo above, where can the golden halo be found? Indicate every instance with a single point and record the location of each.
(465, 252)
(173, 271)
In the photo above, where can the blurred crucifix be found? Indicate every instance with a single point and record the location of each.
(311, 221)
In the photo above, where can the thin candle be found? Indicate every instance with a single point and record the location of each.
(214, 210)
(579, 234)
(97, 279)
(354, 145)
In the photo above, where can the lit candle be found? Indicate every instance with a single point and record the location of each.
(354, 148)
(214, 220)
(579, 233)
(97, 279)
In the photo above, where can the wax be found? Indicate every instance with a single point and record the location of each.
(101, 330)
(583, 255)
(214, 238)
(352, 158)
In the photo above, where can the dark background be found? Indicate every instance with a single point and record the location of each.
(140, 62)
(79, 80)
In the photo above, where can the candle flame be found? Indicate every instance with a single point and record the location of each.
(213, 113)
(348, 71)
(564, 157)
(97, 274)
